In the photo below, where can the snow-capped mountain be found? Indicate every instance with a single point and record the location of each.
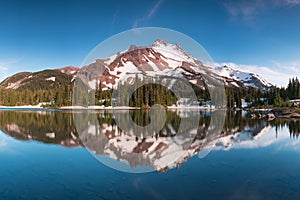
(248, 79)
(159, 59)
(163, 59)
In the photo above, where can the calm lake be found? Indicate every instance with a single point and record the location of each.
(52, 154)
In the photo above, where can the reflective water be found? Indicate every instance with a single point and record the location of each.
(42, 156)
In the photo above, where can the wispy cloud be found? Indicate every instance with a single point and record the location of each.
(115, 16)
(3, 69)
(136, 23)
(292, 2)
(243, 10)
(3, 72)
(248, 10)
(149, 14)
(154, 9)
(6, 65)
(291, 67)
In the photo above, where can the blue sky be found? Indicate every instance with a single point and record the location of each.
(262, 36)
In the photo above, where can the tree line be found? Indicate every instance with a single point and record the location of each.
(275, 96)
(145, 93)
(53, 97)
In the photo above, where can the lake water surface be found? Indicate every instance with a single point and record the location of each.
(52, 154)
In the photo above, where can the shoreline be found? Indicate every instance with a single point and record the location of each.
(267, 113)
(272, 113)
(40, 107)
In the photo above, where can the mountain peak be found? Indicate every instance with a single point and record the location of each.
(159, 59)
(132, 47)
(164, 43)
(160, 42)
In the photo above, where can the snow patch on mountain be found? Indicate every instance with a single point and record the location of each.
(231, 71)
(51, 78)
(70, 70)
(161, 59)
(14, 85)
(173, 53)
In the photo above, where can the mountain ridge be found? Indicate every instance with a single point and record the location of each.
(158, 59)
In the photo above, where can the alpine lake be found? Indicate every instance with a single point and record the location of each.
(65, 154)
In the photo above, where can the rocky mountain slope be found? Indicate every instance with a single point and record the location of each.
(165, 60)
(44, 80)
(161, 59)
(248, 79)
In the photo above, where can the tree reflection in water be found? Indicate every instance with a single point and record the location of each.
(102, 135)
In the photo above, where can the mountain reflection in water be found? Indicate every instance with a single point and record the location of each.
(162, 151)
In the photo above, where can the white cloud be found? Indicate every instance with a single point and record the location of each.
(292, 66)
